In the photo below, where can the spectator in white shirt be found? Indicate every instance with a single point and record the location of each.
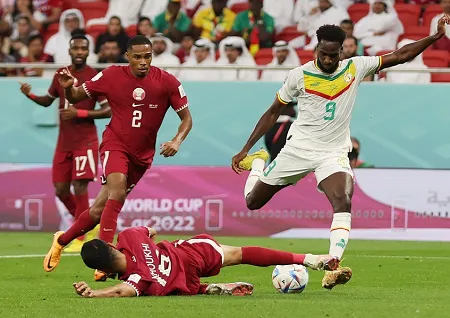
(409, 77)
(379, 30)
(444, 42)
(327, 13)
(203, 54)
(283, 55)
(281, 11)
(58, 44)
(126, 10)
(233, 51)
(162, 54)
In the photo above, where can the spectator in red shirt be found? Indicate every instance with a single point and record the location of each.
(51, 9)
(185, 49)
(35, 54)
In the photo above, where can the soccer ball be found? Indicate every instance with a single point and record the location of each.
(290, 278)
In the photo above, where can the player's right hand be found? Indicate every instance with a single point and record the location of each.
(236, 159)
(65, 78)
(83, 289)
(25, 88)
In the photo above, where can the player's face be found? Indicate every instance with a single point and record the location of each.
(348, 28)
(349, 48)
(140, 57)
(201, 55)
(282, 55)
(79, 51)
(328, 56)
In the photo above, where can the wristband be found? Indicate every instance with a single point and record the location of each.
(82, 113)
(31, 96)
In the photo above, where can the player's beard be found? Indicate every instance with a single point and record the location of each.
(330, 71)
(79, 64)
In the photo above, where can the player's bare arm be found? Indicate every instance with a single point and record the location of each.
(410, 51)
(73, 94)
(120, 290)
(71, 112)
(268, 119)
(45, 100)
(170, 148)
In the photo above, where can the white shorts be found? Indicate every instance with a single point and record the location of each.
(293, 164)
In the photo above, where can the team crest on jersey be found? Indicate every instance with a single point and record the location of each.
(138, 94)
(348, 77)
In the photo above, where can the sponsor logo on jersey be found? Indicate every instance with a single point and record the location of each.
(138, 94)
(181, 90)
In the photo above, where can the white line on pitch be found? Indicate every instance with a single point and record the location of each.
(445, 258)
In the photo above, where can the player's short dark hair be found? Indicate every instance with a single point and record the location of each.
(353, 38)
(78, 32)
(35, 37)
(78, 36)
(138, 40)
(97, 254)
(331, 33)
(347, 21)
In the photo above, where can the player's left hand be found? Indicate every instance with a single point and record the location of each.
(441, 25)
(68, 113)
(83, 290)
(170, 148)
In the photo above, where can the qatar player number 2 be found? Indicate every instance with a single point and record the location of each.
(330, 108)
(137, 116)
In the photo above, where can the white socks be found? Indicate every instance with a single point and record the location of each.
(257, 168)
(339, 233)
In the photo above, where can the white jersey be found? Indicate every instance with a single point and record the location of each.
(325, 103)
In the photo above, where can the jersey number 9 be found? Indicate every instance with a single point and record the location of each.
(330, 108)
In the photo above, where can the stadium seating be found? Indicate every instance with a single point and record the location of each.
(288, 33)
(91, 9)
(305, 56)
(358, 11)
(430, 12)
(239, 7)
(408, 14)
(436, 58)
(131, 30)
(414, 32)
(96, 30)
(52, 29)
(264, 56)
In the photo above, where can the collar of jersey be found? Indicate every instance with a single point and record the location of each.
(328, 77)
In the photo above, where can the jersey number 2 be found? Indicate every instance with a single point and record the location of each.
(137, 116)
(330, 108)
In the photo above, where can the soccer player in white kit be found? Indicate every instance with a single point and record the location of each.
(319, 139)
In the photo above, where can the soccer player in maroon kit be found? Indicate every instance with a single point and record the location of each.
(76, 156)
(139, 95)
(175, 268)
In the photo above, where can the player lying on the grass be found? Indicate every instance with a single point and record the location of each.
(319, 139)
(175, 268)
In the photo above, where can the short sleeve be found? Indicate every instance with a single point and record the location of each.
(99, 84)
(237, 26)
(53, 89)
(197, 21)
(184, 24)
(139, 285)
(177, 96)
(367, 65)
(291, 87)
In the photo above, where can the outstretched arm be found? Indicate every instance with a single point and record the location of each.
(120, 290)
(410, 51)
(71, 112)
(40, 100)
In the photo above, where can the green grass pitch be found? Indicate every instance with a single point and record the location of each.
(390, 279)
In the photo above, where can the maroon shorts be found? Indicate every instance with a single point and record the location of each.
(205, 259)
(75, 165)
(119, 161)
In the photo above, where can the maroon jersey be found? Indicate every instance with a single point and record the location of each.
(138, 107)
(152, 269)
(78, 133)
